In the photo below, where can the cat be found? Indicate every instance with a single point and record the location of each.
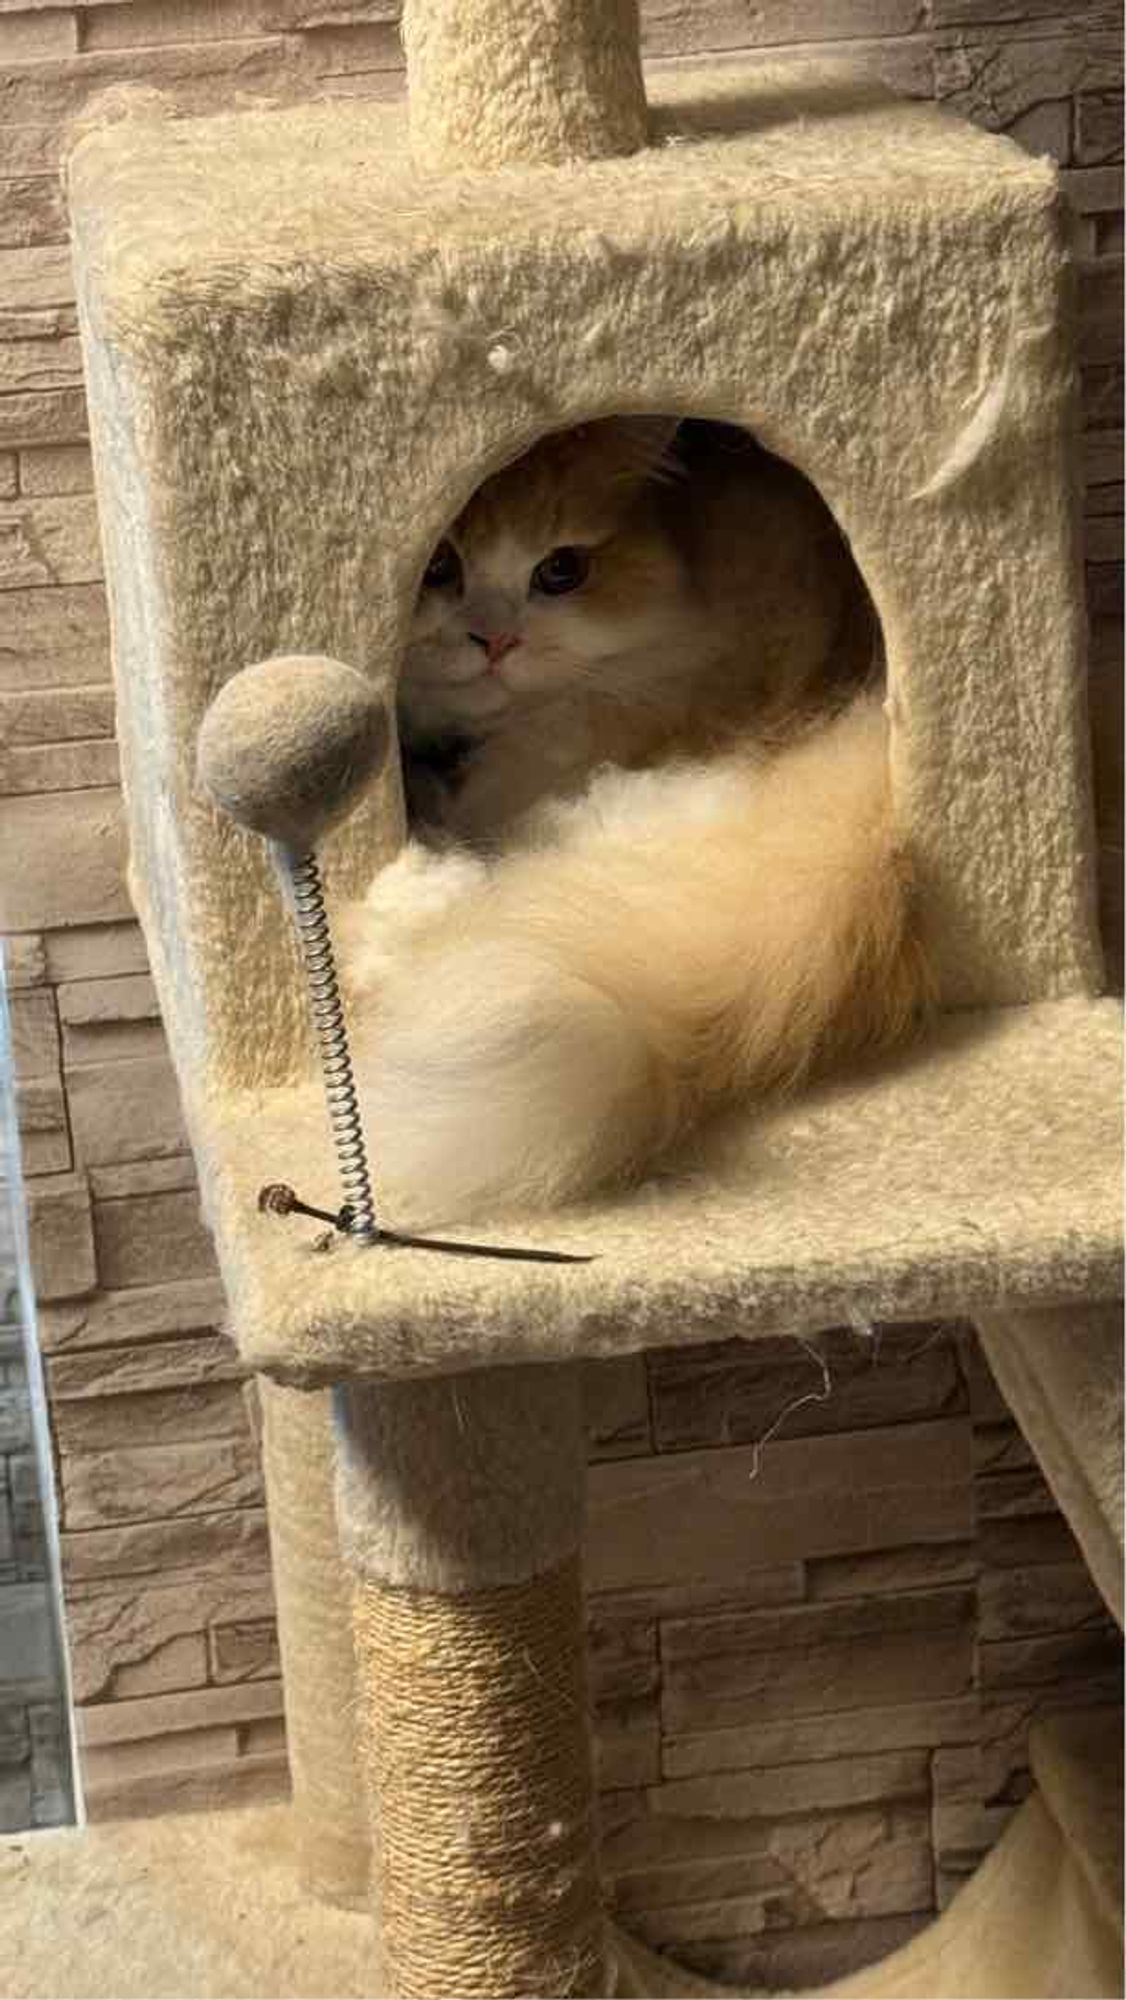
(654, 869)
(672, 586)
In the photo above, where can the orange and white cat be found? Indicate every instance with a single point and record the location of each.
(654, 869)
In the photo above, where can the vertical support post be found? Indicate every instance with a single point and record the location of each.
(1060, 1370)
(553, 82)
(313, 1598)
(460, 1507)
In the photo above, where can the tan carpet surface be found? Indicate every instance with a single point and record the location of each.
(204, 1906)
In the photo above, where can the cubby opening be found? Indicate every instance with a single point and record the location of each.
(601, 576)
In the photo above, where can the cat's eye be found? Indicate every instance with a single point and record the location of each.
(444, 568)
(562, 570)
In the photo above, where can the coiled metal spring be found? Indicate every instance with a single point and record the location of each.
(332, 1037)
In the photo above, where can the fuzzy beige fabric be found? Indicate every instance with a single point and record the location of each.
(194, 1906)
(331, 1820)
(467, 1483)
(980, 1170)
(1061, 1374)
(303, 357)
(492, 84)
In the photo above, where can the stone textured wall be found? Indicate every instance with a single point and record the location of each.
(799, 1757)
(801, 1760)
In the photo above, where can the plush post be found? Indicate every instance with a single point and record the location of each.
(315, 1639)
(496, 85)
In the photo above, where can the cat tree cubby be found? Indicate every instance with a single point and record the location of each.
(309, 335)
(304, 354)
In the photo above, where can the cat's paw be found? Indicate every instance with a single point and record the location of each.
(408, 902)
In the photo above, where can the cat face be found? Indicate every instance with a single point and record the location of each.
(557, 574)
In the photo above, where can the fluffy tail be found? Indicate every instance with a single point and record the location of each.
(676, 941)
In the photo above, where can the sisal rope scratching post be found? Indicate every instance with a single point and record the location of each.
(504, 84)
(459, 1504)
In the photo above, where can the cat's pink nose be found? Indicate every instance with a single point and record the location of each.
(496, 644)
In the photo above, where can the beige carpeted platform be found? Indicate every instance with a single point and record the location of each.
(979, 1172)
(206, 1906)
(191, 1907)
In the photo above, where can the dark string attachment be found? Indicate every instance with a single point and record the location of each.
(277, 1198)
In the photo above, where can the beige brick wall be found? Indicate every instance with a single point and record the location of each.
(800, 1756)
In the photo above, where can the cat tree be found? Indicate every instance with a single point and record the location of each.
(308, 336)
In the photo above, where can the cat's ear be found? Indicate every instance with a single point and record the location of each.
(631, 450)
(649, 443)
